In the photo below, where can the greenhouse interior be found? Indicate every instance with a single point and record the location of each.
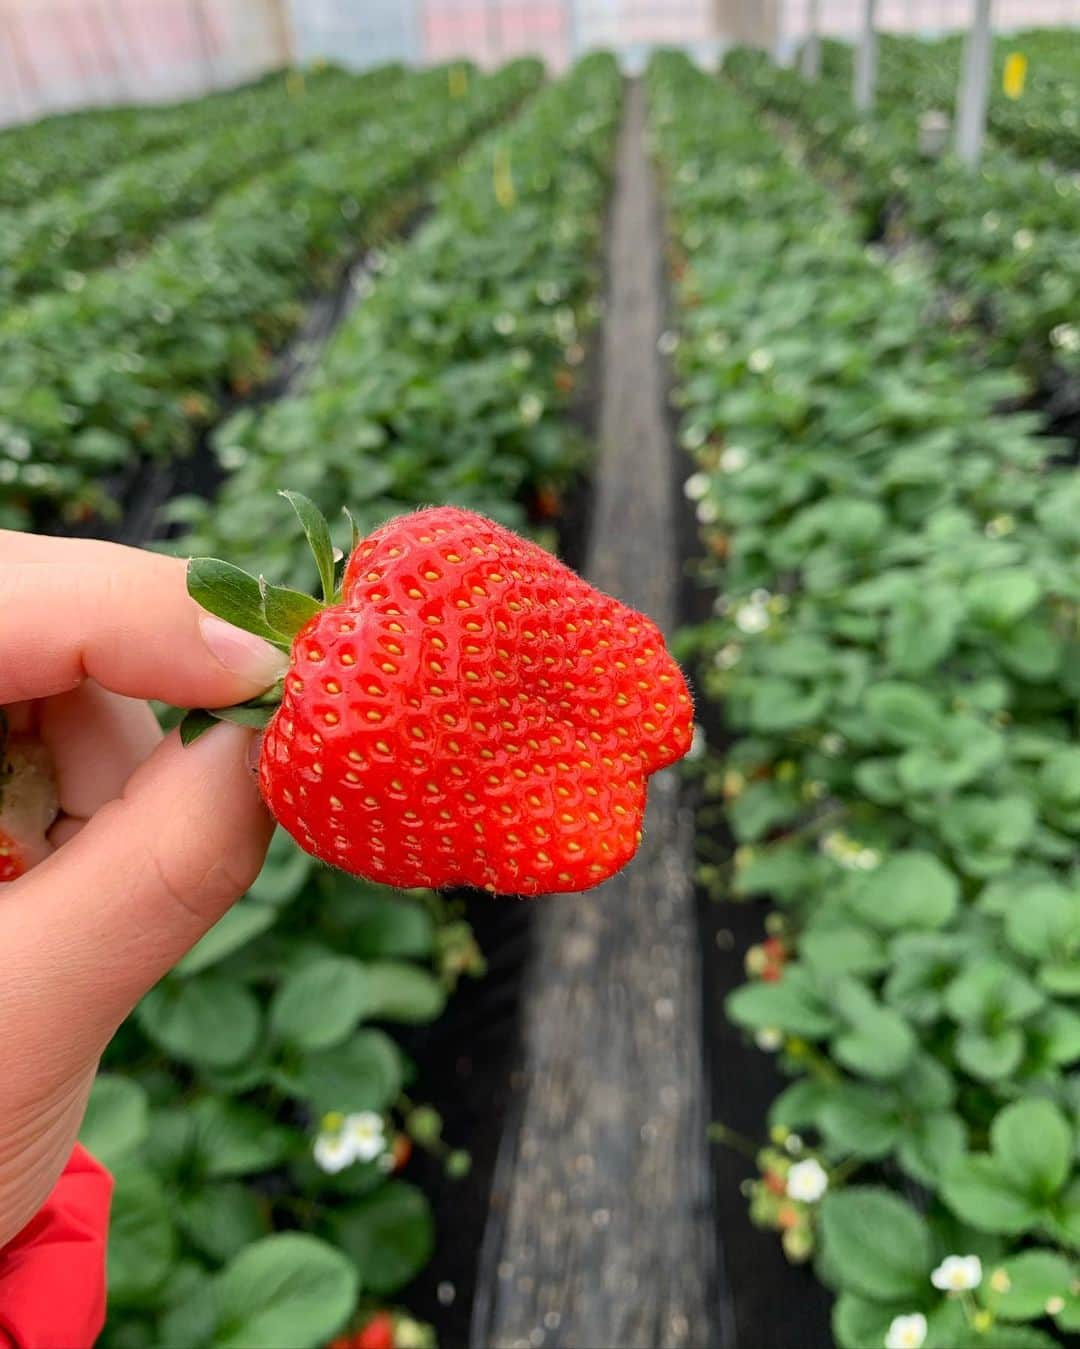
(540, 674)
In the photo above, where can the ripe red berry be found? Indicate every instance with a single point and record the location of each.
(27, 806)
(400, 1152)
(377, 1334)
(465, 710)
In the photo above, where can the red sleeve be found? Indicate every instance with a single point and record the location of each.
(52, 1276)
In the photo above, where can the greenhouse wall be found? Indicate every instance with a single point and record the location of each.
(844, 18)
(60, 54)
(359, 35)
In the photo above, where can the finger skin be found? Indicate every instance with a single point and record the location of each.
(88, 932)
(117, 615)
(97, 739)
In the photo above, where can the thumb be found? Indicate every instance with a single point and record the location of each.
(88, 932)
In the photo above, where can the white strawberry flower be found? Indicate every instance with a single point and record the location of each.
(696, 486)
(752, 617)
(957, 1274)
(410, 1334)
(366, 1133)
(333, 1150)
(707, 512)
(769, 1039)
(344, 1139)
(906, 1332)
(504, 324)
(733, 459)
(807, 1181)
(760, 360)
(530, 407)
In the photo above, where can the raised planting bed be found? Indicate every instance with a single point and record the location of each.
(894, 651)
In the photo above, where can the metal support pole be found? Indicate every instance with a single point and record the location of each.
(974, 91)
(281, 11)
(811, 52)
(206, 42)
(866, 60)
(573, 30)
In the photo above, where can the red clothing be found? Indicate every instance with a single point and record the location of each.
(52, 1276)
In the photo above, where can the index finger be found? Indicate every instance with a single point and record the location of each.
(71, 610)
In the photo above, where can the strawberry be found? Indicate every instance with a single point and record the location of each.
(463, 709)
(27, 805)
(377, 1334)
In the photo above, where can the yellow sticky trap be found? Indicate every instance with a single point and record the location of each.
(1015, 77)
(504, 178)
(459, 81)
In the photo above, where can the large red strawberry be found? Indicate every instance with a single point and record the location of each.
(27, 805)
(463, 710)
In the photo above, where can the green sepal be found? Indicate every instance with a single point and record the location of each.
(233, 595)
(318, 537)
(354, 529)
(255, 713)
(287, 610)
(194, 724)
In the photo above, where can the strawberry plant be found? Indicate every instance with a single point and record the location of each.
(1004, 239)
(449, 382)
(54, 241)
(895, 649)
(67, 148)
(262, 1088)
(136, 359)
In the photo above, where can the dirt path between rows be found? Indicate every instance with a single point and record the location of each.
(601, 1230)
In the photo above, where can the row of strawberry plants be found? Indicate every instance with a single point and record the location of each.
(134, 361)
(45, 156)
(1005, 238)
(57, 239)
(448, 383)
(896, 648)
(1043, 121)
(294, 1105)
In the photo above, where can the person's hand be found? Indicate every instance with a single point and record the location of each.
(153, 842)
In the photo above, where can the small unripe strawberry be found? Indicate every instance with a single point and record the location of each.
(463, 709)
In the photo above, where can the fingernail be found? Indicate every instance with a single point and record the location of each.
(242, 652)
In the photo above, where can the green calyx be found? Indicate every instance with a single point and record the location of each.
(275, 613)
